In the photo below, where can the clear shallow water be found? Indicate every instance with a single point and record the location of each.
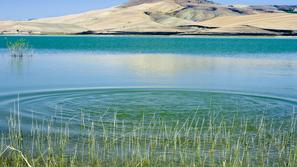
(131, 105)
(262, 66)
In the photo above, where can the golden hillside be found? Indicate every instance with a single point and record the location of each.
(164, 17)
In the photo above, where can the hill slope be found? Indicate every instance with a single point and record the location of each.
(164, 17)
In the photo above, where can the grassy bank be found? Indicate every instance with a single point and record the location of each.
(213, 140)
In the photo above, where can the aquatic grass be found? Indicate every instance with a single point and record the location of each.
(212, 140)
(19, 48)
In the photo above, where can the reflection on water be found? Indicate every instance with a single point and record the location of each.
(71, 70)
(169, 64)
(19, 63)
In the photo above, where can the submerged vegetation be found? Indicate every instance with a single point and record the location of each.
(20, 48)
(213, 140)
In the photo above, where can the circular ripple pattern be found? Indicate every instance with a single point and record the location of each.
(134, 104)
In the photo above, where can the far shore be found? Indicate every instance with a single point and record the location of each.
(175, 35)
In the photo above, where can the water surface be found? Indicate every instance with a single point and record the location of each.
(135, 75)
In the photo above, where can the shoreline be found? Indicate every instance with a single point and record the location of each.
(223, 35)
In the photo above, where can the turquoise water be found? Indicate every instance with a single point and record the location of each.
(167, 76)
(172, 45)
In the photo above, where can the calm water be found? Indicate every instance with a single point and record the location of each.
(135, 75)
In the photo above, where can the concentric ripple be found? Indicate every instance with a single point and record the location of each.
(133, 104)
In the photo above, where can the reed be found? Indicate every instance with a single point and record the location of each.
(19, 48)
(212, 140)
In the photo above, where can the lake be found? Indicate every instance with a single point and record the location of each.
(149, 100)
(133, 75)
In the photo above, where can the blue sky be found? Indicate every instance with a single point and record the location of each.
(28, 9)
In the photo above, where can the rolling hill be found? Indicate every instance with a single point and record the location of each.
(166, 17)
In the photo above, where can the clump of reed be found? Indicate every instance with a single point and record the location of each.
(19, 48)
(213, 140)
